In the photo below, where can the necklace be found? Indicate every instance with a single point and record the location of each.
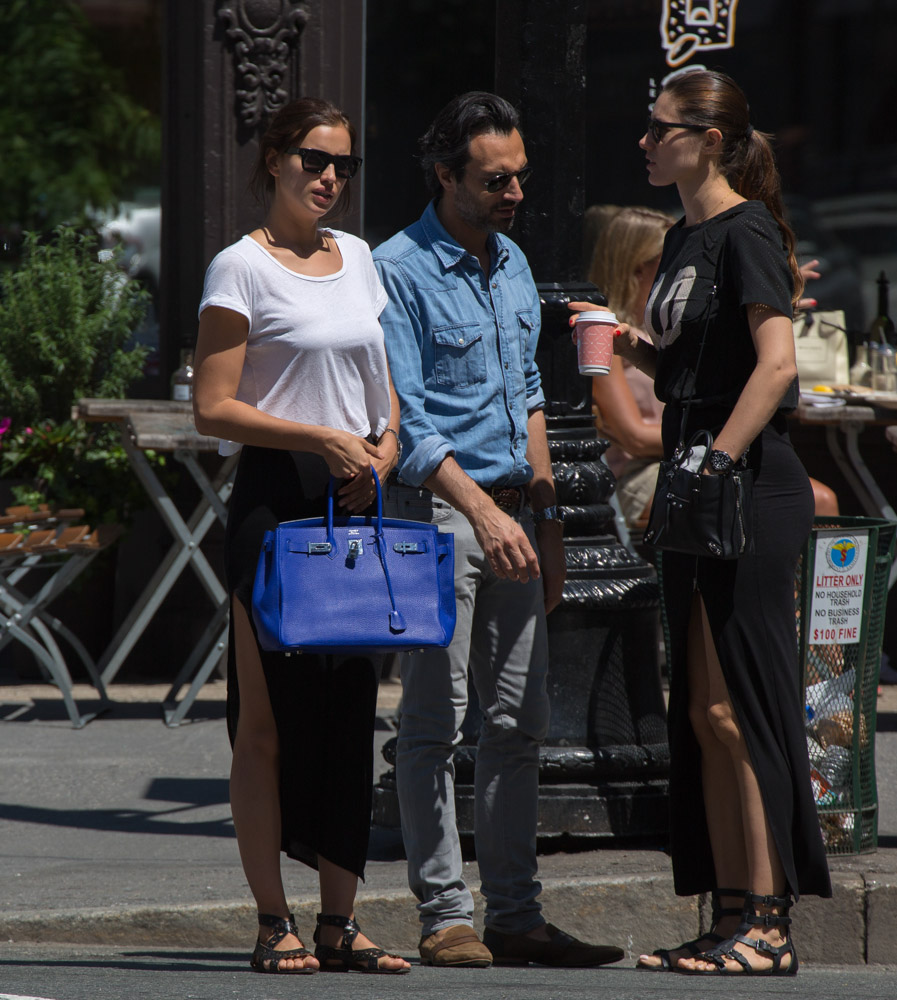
(300, 250)
(713, 211)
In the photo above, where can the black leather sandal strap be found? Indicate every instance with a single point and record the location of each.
(783, 902)
(350, 929)
(734, 956)
(368, 957)
(280, 926)
(767, 920)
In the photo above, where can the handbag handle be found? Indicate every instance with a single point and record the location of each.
(330, 487)
(396, 619)
(699, 437)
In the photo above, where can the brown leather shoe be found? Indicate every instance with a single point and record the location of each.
(562, 951)
(457, 947)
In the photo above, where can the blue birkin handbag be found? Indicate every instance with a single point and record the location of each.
(351, 584)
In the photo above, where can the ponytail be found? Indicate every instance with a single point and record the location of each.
(754, 175)
(714, 100)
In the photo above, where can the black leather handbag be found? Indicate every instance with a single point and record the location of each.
(701, 515)
(696, 514)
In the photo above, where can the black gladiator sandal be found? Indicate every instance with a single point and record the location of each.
(266, 959)
(344, 959)
(718, 911)
(750, 918)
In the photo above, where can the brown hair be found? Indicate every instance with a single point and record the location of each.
(289, 126)
(714, 100)
(632, 237)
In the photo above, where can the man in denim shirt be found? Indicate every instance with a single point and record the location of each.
(461, 328)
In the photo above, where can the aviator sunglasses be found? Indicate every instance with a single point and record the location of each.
(500, 181)
(658, 128)
(316, 161)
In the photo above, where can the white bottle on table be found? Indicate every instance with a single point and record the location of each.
(182, 378)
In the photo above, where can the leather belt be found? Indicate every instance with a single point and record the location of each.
(510, 499)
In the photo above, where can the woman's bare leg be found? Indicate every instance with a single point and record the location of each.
(825, 500)
(338, 888)
(722, 800)
(748, 852)
(255, 788)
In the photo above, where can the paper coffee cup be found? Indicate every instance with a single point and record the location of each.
(595, 341)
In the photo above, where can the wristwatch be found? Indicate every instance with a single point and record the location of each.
(721, 462)
(547, 514)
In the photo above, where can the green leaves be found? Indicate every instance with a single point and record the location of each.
(65, 323)
(71, 137)
(74, 465)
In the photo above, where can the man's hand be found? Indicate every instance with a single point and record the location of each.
(504, 543)
(553, 562)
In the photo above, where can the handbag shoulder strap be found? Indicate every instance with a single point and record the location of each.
(710, 298)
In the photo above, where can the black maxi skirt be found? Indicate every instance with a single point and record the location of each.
(324, 706)
(750, 605)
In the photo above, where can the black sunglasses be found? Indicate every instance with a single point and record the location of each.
(316, 161)
(658, 129)
(500, 181)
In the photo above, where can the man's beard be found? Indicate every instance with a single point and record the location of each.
(478, 218)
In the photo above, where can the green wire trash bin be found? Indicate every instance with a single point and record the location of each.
(842, 590)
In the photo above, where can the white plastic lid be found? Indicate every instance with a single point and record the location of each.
(596, 316)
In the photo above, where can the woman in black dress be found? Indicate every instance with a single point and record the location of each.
(291, 369)
(744, 824)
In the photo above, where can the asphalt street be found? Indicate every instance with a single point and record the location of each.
(155, 974)
(117, 851)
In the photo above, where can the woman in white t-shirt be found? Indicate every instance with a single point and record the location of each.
(291, 368)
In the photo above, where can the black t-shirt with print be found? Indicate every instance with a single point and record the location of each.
(753, 268)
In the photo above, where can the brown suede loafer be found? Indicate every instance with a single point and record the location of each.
(456, 947)
(562, 951)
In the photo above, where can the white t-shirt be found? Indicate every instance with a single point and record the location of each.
(315, 351)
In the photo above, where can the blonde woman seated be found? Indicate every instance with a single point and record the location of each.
(627, 413)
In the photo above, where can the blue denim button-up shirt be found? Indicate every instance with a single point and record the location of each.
(461, 350)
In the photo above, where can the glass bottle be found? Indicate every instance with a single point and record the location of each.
(182, 378)
(861, 369)
(882, 330)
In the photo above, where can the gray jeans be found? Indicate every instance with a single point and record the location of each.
(500, 634)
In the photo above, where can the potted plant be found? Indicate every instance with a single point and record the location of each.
(67, 315)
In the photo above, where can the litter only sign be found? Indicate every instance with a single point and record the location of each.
(839, 582)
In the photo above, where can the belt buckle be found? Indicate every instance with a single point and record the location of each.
(507, 498)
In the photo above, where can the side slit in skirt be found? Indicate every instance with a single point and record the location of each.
(750, 605)
(324, 706)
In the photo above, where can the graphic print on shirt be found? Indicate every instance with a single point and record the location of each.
(665, 316)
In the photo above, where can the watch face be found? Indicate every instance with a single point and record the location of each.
(720, 461)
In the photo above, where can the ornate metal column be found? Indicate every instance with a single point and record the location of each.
(603, 768)
(605, 761)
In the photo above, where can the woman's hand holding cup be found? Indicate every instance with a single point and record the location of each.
(594, 330)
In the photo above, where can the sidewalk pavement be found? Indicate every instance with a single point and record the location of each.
(120, 833)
